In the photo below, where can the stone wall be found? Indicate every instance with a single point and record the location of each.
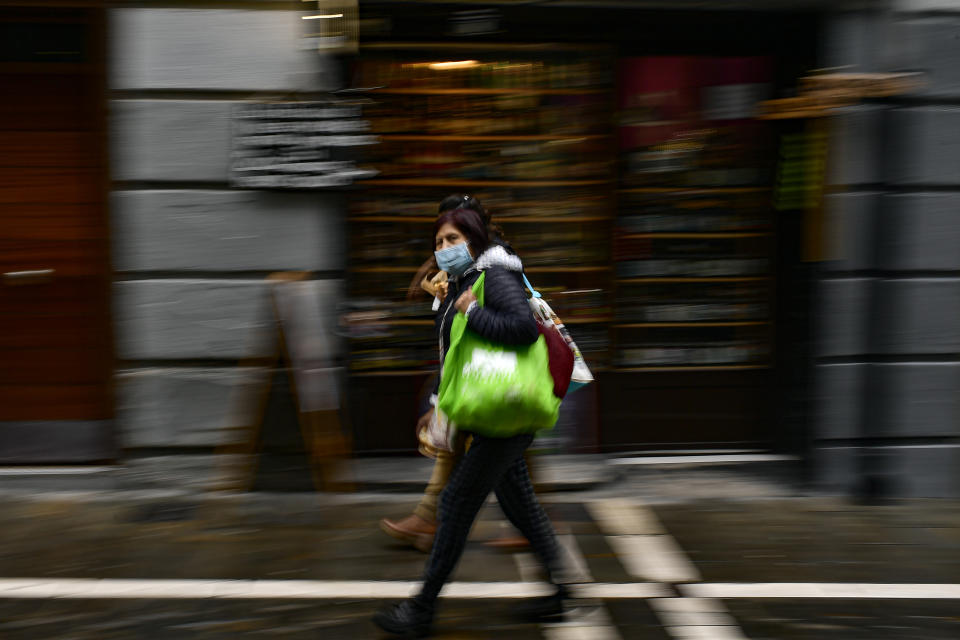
(190, 253)
(888, 378)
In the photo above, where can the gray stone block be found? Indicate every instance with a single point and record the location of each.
(184, 319)
(179, 407)
(835, 469)
(929, 45)
(856, 41)
(259, 50)
(925, 146)
(911, 399)
(919, 399)
(170, 140)
(919, 316)
(838, 390)
(838, 399)
(226, 231)
(855, 146)
(841, 316)
(931, 471)
(921, 231)
(851, 224)
(925, 5)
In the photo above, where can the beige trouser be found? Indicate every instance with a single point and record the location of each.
(443, 466)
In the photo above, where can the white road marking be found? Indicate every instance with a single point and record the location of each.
(588, 622)
(618, 590)
(585, 622)
(618, 517)
(655, 558)
(696, 618)
(648, 552)
(701, 598)
(574, 632)
(593, 623)
(166, 589)
(576, 563)
(802, 590)
(527, 566)
(706, 633)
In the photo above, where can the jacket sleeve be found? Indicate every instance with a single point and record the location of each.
(505, 317)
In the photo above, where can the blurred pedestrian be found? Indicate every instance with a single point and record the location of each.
(464, 250)
(418, 528)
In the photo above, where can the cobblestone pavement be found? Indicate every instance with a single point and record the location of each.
(317, 567)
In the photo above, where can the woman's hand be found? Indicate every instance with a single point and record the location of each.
(424, 421)
(464, 301)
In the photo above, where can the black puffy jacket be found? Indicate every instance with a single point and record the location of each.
(505, 316)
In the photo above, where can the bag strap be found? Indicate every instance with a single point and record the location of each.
(533, 292)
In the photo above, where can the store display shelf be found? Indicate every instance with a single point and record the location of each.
(688, 367)
(694, 190)
(488, 91)
(533, 47)
(49, 67)
(497, 219)
(670, 235)
(662, 325)
(593, 320)
(553, 219)
(677, 280)
(408, 323)
(430, 323)
(413, 269)
(654, 123)
(398, 372)
(466, 182)
(398, 137)
(566, 269)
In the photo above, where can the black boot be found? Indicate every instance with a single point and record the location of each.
(545, 609)
(409, 619)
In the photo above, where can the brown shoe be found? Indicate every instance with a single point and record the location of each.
(413, 530)
(508, 543)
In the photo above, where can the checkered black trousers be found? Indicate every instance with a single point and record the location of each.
(491, 464)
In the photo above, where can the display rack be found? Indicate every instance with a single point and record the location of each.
(694, 235)
(524, 128)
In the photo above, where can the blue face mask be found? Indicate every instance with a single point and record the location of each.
(454, 260)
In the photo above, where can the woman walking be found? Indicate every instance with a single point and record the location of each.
(464, 250)
(418, 528)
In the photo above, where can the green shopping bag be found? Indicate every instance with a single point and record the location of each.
(493, 389)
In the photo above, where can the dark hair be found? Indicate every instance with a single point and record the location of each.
(466, 201)
(468, 222)
(462, 201)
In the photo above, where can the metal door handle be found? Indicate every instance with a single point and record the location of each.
(28, 277)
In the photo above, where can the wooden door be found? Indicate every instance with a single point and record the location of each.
(56, 359)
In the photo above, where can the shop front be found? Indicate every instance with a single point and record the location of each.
(621, 155)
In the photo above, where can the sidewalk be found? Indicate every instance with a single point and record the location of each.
(654, 477)
(715, 549)
(118, 566)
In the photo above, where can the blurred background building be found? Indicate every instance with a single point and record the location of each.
(736, 283)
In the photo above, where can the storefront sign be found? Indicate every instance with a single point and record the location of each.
(298, 145)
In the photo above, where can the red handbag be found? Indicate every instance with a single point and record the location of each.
(561, 357)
